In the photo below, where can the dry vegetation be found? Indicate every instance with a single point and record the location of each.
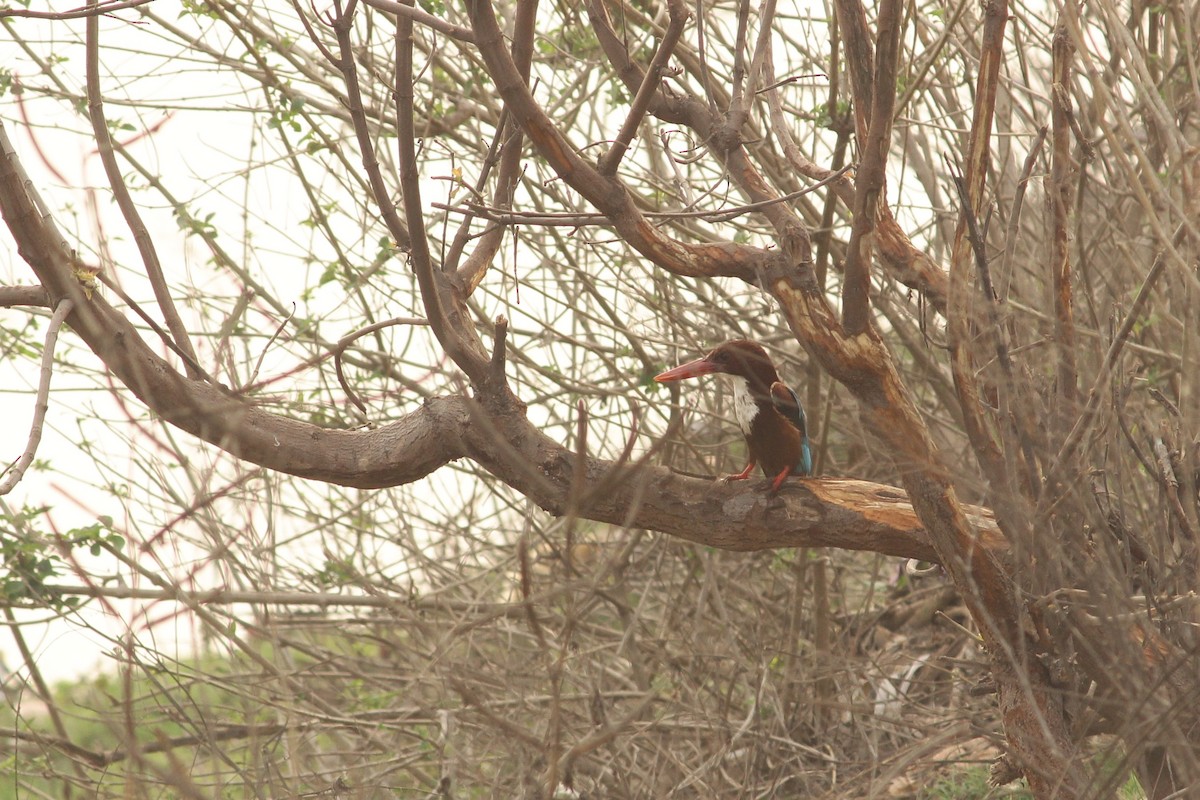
(389, 456)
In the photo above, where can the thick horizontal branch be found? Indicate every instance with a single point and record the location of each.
(495, 434)
(11, 296)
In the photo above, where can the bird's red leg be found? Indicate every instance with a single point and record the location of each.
(744, 474)
(779, 479)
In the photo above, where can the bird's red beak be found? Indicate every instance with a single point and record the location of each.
(692, 369)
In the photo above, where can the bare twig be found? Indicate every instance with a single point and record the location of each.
(99, 759)
(340, 349)
(39, 684)
(843, 186)
(1166, 458)
(456, 32)
(960, 320)
(1021, 418)
(575, 220)
(90, 10)
(263, 353)
(603, 736)
(166, 338)
(1012, 229)
(1059, 197)
(42, 403)
(1096, 394)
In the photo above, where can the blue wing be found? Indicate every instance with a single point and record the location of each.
(788, 404)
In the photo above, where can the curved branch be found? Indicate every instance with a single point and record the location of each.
(726, 259)
(42, 404)
(442, 305)
(724, 138)
(116, 182)
(510, 140)
(849, 514)
(456, 32)
(910, 265)
(358, 115)
(868, 197)
(645, 93)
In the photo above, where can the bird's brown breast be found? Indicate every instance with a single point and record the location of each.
(774, 442)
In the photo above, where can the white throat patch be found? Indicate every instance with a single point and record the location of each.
(744, 406)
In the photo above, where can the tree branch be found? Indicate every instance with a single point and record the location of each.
(116, 182)
(869, 185)
(345, 63)
(606, 194)
(447, 317)
(510, 139)
(42, 404)
(456, 32)
(911, 266)
(645, 93)
(849, 514)
(90, 11)
(1059, 198)
(11, 296)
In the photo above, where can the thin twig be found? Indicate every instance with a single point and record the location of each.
(90, 11)
(39, 685)
(340, 348)
(762, 49)
(991, 303)
(567, 219)
(1012, 229)
(278, 330)
(42, 403)
(457, 32)
(194, 367)
(98, 759)
(602, 736)
(1061, 201)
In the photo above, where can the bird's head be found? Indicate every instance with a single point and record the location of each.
(740, 358)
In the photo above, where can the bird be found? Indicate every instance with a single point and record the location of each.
(768, 411)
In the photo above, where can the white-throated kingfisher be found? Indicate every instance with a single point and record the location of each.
(768, 412)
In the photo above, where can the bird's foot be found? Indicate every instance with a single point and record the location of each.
(740, 476)
(778, 480)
